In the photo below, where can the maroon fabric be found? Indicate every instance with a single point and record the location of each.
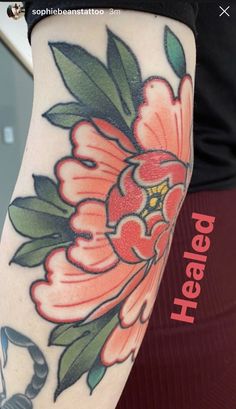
(192, 366)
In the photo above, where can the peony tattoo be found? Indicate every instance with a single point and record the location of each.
(102, 229)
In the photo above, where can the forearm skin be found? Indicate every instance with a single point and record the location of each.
(106, 168)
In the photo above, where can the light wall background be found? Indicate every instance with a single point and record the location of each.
(16, 95)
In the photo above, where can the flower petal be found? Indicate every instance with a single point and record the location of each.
(114, 133)
(162, 243)
(152, 219)
(122, 343)
(126, 338)
(69, 294)
(125, 198)
(132, 241)
(92, 250)
(165, 122)
(140, 302)
(154, 168)
(95, 167)
(172, 202)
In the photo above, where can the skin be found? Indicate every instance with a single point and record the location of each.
(46, 145)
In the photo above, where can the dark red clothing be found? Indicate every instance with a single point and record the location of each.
(192, 366)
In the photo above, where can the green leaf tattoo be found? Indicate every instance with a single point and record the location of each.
(121, 160)
(67, 115)
(33, 253)
(88, 80)
(35, 218)
(175, 53)
(66, 334)
(46, 189)
(125, 71)
(81, 355)
(96, 374)
(43, 218)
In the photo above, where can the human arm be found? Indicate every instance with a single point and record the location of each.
(110, 173)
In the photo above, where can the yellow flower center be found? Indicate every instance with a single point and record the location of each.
(155, 196)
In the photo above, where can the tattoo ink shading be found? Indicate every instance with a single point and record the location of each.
(22, 400)
(103, 228)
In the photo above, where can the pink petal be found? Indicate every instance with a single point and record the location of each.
(172, 202)
(157, 167)
(140, 302)
(152, 219)
(165, 122)
(125, 198)
(69, 294)
(122, 343)
(131, 241)
(94, 169)
(115, 134)
(93, 253)
(162, 243)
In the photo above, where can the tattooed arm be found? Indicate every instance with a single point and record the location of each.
(87, 237)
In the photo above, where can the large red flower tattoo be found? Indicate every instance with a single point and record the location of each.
(127, 195)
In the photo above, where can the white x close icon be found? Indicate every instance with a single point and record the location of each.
(224, 11)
